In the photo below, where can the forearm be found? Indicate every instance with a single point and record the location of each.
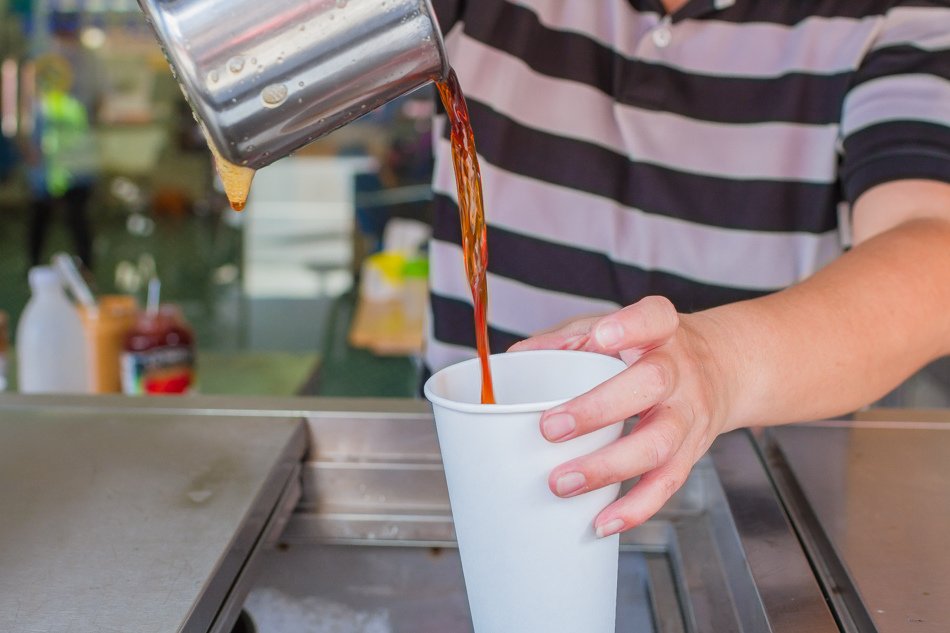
(840, 339)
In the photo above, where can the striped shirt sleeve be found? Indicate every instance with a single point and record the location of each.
(895, 121)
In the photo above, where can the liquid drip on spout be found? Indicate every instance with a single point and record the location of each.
(235, 178)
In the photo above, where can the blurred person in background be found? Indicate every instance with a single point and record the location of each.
(8, 158)
(753, 196)
(61, 159)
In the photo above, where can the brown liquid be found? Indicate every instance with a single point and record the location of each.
(235, 178)
(468, 180)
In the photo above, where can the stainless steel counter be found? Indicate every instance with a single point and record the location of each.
(140, 521)
(153, 515)
(872, 502)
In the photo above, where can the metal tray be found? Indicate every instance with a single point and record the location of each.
(136, 520)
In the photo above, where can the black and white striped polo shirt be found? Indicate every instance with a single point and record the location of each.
(704, 156)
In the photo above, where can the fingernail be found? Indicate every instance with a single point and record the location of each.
(558, 426)
(570, 484)
(608, 334)
(610, 527)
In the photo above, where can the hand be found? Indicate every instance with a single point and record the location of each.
(673, 382)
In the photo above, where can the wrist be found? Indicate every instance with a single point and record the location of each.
(715, 340)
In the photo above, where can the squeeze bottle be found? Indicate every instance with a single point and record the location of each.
(50, 345)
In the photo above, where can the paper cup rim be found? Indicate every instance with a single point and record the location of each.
(522, 407)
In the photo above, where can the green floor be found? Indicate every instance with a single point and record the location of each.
(198, 261)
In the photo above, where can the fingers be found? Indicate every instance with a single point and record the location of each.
(661, 450)
(571, 336)
(665, 444)
(644, 500)
(641, 326)
(641, 386)
(649, 446)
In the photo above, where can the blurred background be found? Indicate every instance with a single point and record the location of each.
(317, 288)
(101, 158)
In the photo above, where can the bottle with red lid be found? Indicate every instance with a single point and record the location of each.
(159, 354)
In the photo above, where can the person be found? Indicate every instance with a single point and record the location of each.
(61, 159)
(765, 187)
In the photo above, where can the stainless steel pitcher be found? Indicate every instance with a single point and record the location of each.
(266, 77)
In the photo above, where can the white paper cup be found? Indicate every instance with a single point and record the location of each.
(531, 560)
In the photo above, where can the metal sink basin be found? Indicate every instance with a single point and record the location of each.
(372, 542)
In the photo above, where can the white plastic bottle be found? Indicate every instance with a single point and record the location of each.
(50, 346)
